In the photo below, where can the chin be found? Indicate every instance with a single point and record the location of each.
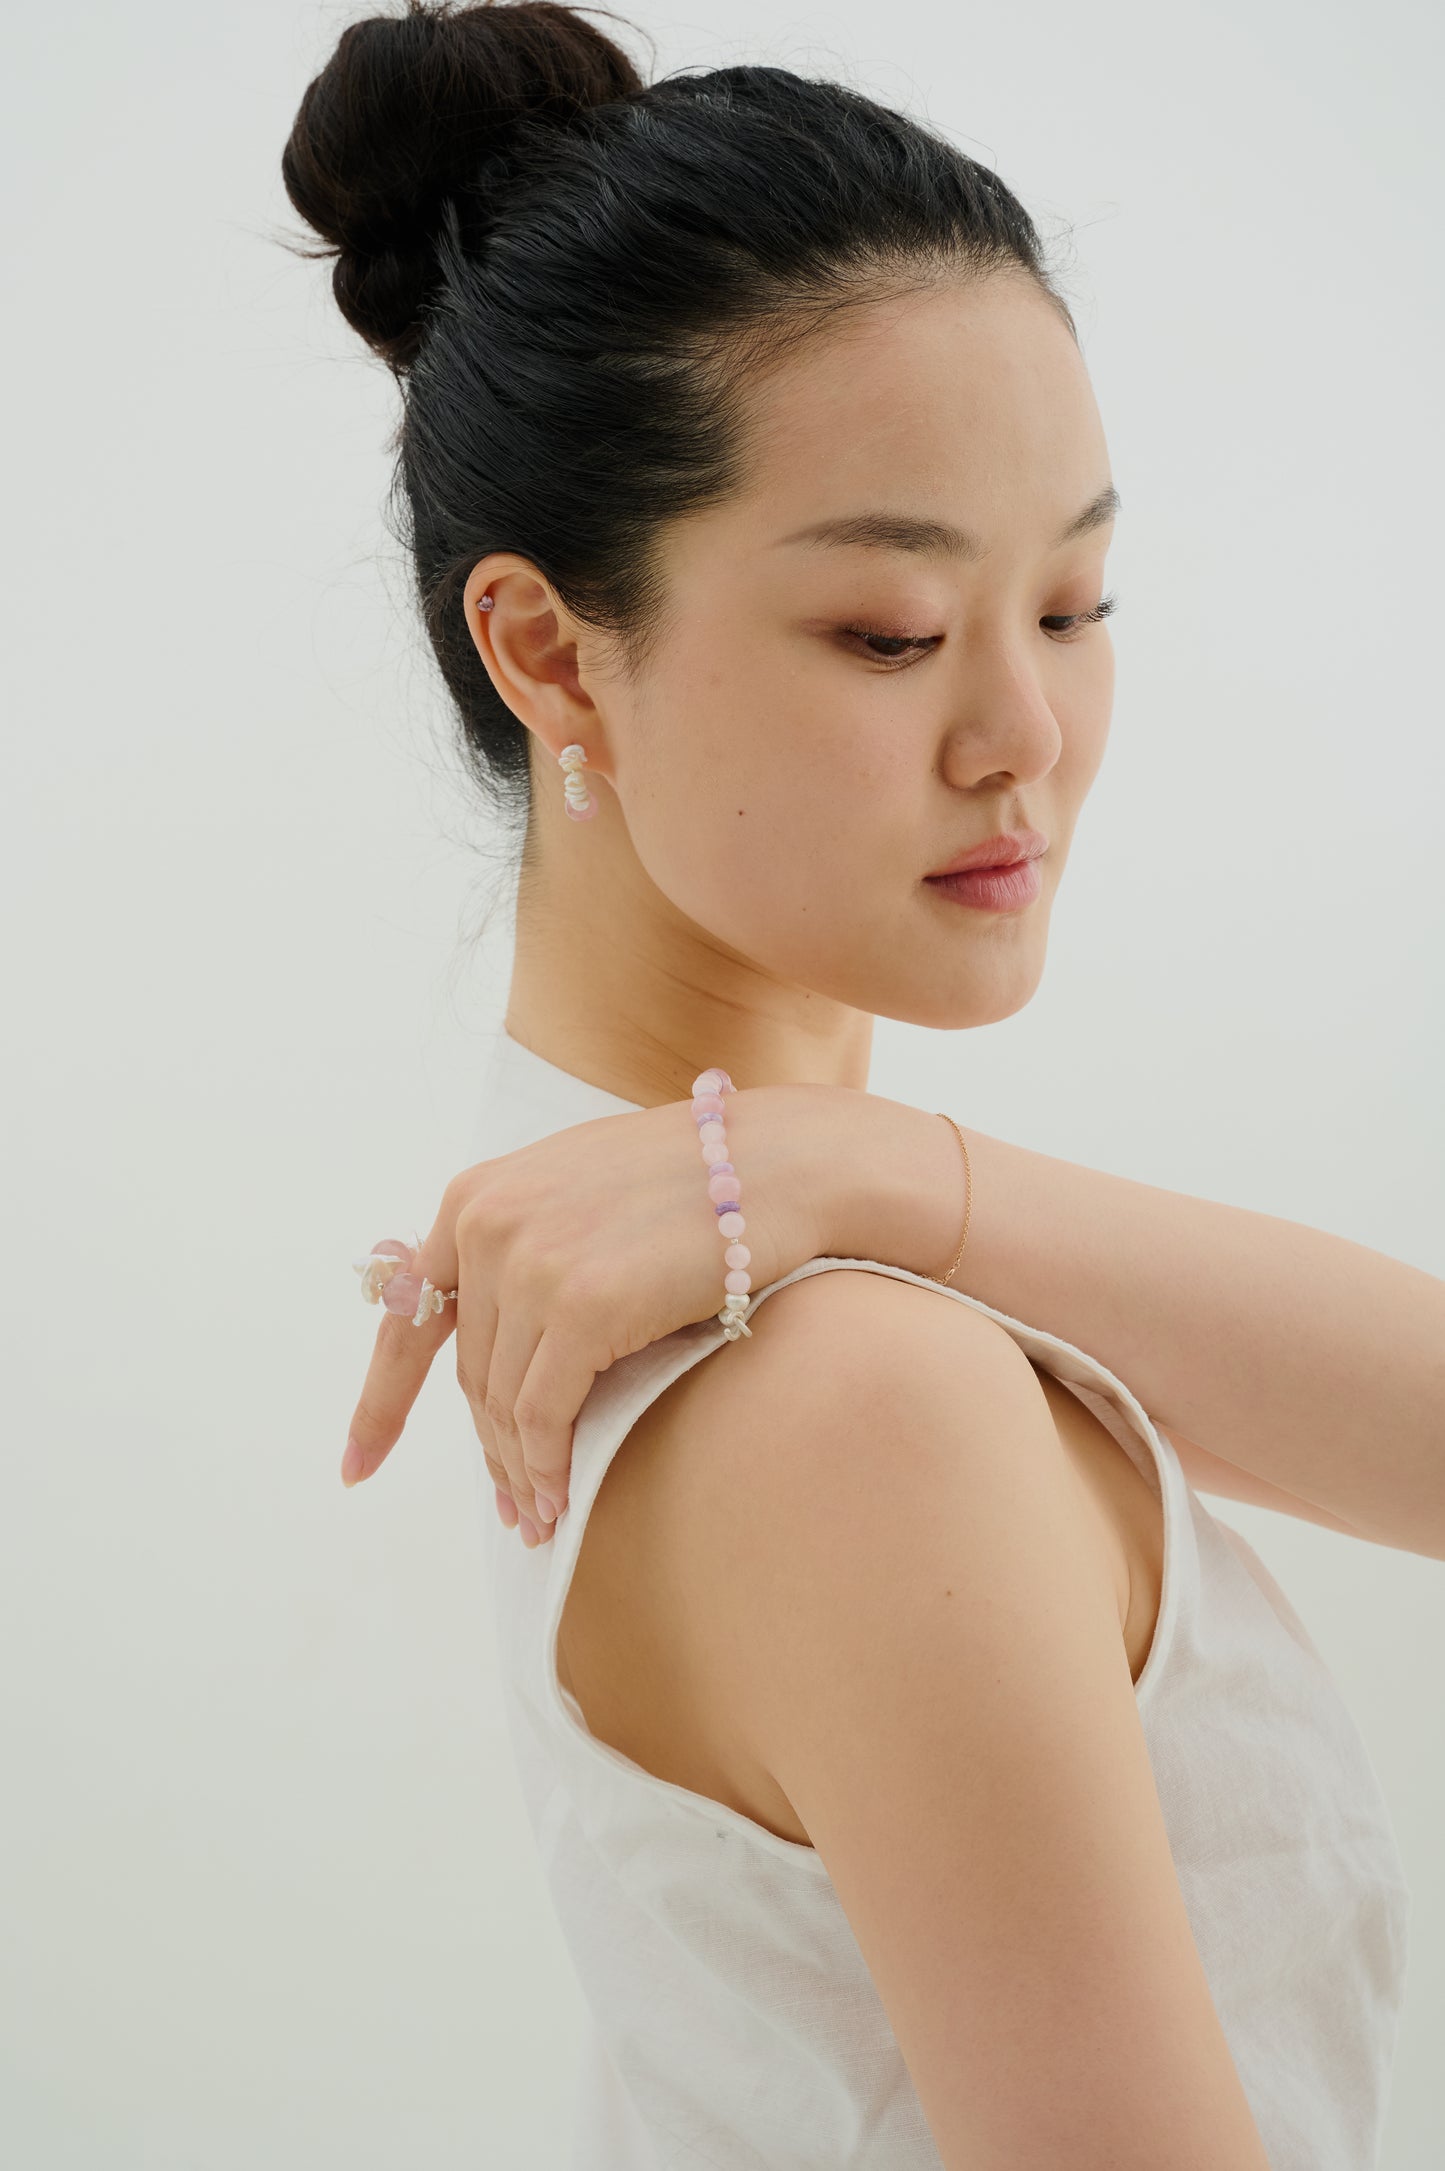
(983, 992)
(954, 1009)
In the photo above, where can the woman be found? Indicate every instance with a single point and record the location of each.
(922, 1774)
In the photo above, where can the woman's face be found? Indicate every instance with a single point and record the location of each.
(823, 723)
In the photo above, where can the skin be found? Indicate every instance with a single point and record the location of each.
(835, 781)
(772, 789)
(752, 888)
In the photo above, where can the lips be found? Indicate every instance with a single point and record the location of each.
(1005, 850)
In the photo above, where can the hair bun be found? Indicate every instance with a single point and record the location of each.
(407, 112)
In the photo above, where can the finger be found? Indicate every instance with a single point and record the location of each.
(557, 1383)
(476, 1333)
(502, 1487)
(476, 1336)
(512, 1349)
(400, 1360)
(477, 1323)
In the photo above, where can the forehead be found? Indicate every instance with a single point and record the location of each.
(968, 402)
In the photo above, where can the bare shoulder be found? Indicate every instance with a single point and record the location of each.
(852, 1333)
(759, 1461)
(758, 1419)
(736, 1466)
(863, 1529)
(851, 1355)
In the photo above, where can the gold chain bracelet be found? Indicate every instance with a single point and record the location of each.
(944, 1279)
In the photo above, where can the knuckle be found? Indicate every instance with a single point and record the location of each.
(529, 1417)
(475, 1195)
(465, 1212)
(458, 1190)
(498, 1416)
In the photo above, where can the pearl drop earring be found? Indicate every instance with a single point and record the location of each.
(581, 806)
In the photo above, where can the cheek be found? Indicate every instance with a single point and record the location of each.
(754, 788)
(1084, 722)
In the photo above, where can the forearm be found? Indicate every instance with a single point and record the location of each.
(1307, 1359)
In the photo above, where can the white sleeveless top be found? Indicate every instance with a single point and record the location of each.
(733, 2022)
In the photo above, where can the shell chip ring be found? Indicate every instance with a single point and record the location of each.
(387, 1278)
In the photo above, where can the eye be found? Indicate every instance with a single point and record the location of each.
(893, 649)
(1067, 629)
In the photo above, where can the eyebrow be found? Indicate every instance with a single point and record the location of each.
(936, 538)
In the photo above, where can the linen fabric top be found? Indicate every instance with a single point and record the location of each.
(734, 2024)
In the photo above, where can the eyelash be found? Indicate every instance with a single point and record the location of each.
(1074, 619)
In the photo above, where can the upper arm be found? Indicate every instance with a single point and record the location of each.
(925, 1652)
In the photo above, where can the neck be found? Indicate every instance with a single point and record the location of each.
(612, 983)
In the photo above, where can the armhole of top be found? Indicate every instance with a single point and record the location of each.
(617, 1400)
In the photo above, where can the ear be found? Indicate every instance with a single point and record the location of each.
(528, 642)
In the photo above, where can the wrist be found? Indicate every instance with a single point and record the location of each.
(893, 1185)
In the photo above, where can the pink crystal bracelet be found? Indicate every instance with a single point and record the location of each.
(725, 1192)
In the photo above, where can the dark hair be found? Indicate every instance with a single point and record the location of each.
(574, 274)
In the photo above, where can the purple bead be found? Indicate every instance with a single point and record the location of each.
(705, 1115)
(728, 1206)
(721, 1168)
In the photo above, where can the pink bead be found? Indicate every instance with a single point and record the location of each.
(580, 814)
(403, 1292)
(712, 1130)
(710, 1081)
(700, 1101)
(715, 1149)
(723, 1187)
(392, 1247)
(738, 1255)
(731, 1224)
(737, 1284)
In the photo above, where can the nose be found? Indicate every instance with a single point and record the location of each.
(1004, 727)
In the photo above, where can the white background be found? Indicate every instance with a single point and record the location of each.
(269, 1893)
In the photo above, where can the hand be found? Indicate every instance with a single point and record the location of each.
(574, 1251)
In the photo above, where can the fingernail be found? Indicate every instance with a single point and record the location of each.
(545, 1508)
(353, 1462)
(529, 1530)
(506, 1507)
